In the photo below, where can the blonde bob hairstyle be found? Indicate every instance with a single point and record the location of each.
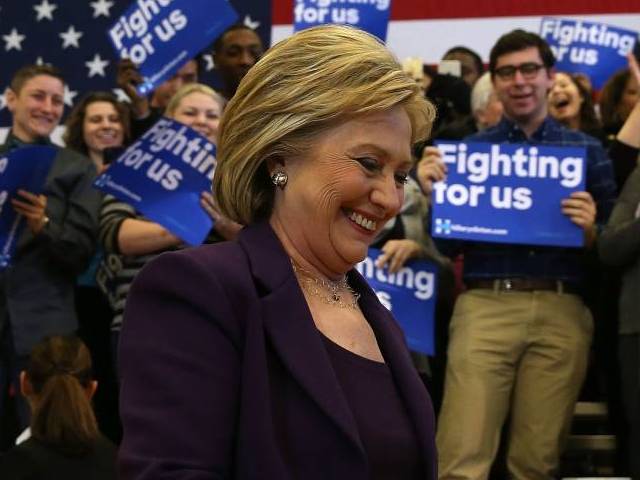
(187, 90)
(303, 86)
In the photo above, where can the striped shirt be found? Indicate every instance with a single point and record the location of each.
(117, 271)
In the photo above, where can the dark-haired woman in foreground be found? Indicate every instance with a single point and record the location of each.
(64, 441)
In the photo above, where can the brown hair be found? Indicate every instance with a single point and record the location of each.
(610, 97)
(518, 40)
(74, 134)
(26, 73)
(59, 371)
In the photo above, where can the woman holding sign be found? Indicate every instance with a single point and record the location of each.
(269, 356)
(130, 239)
(200, 107)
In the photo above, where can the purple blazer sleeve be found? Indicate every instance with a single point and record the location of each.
(179, 410)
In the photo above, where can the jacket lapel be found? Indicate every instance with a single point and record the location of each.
(289, 326)
(396, 355)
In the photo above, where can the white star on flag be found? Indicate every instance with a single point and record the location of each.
(39, 61)
(13, 40)
(122, 97)
(96, 66)
(3, 102)
(44, 10)
(250, 23)
(69, 95)
(101, 7)
(70, 37)
(208, 60)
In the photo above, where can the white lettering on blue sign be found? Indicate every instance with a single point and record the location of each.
(596, 34)
(421, 282)
(136, 26)
(195, 152)
(524, 163)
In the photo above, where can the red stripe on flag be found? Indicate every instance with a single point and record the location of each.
(427, 9)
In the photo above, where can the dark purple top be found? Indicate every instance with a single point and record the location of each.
(387, 435)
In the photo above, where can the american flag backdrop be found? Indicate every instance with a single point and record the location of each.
(72, 35)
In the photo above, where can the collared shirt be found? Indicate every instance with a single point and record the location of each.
(491, 260)
(12, 142)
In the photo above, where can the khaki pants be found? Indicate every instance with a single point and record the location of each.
(524, 352)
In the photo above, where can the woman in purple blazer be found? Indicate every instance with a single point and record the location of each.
(269, 357)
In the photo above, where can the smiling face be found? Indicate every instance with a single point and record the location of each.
(102, 127)
(200, 112)
(239, 50)
(36, 108)
(523, 97)
(342, 192)
(565, 100)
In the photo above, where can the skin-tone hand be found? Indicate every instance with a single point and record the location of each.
(225, 227)
(581, 210)
(431, 169)
(633, 66)
(395, 254)
(32, 207)
(127, 78)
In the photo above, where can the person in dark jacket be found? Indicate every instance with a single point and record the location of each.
(64, 441)
(37, 289)
(268, 356)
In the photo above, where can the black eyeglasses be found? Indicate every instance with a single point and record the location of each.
(528, 70)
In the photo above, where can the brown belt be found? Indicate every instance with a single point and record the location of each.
(520, 285)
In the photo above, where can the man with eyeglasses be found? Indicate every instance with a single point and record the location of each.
(520, 334)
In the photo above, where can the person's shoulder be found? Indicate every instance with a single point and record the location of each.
(104, 456)
(489, 134)
(74, 158)
(570, 136)
(214, 258)
(215, 264)
(19, 463)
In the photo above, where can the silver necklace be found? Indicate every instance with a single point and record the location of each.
(330, 292)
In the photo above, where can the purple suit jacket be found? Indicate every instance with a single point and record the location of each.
(224, 374)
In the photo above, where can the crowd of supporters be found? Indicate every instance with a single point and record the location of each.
(81, 250)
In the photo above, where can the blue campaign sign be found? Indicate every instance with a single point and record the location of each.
(25, 168)
(372, 17)
(162, 175)
(409, 294)
(593, 48)
(162, 35)
(508, 193)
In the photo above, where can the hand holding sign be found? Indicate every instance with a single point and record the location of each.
(225, 227)
(128, 78)
(431, 168)
(163, 176)
(32, 207)
(395, 253)
(581, 209)
(23, 173)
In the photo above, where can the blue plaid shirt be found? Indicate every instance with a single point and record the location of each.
(490, 260)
